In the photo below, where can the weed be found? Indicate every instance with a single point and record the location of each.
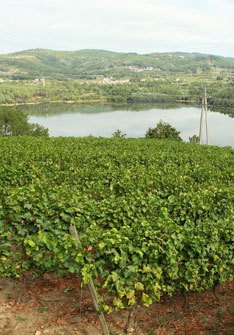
(20, 319)
(231, 311)
(219, 313)
(41, 309)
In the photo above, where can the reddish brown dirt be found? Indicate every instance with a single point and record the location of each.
(59, 306)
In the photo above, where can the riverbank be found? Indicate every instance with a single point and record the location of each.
(156, 91)
(52, 102)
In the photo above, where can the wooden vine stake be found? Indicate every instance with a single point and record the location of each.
(128, 329)
(92, 289)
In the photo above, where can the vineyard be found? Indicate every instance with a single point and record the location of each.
(154, 218)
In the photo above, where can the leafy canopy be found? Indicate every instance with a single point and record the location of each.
(163, 131)
(15, 123)
(154, 217)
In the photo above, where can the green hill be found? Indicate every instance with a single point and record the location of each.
(88, 64)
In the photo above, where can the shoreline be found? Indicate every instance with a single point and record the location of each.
(105, 102)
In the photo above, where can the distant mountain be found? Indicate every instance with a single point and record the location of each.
(89, 64)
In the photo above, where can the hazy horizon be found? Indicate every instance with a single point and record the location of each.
(121, 52)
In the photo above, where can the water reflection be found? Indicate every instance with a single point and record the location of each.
(134, 120)
(52, 109)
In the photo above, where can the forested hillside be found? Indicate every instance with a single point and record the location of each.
(38, 75)
(90, 63)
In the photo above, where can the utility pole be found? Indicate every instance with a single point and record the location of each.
(201, 121)
(204, 119)
(43, 81)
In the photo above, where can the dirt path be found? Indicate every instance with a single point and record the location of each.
(59, 306)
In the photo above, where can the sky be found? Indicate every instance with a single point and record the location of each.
(142, 26)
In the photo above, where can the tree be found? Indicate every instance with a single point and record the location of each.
(118, 133)
(163, 131)
(38, 130)
(15, 123)
(194, 139)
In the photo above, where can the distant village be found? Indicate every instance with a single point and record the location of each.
(101, 79)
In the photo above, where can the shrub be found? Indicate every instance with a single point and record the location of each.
(163, 131)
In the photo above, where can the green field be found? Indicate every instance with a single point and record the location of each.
(153, 217)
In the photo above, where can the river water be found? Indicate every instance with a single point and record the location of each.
(133, 120)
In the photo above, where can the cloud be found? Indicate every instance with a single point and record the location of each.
(136, 25)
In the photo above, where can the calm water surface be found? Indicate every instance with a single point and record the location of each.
(103, 120)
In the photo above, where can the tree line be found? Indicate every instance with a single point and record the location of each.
(16, 123)
(220, 93)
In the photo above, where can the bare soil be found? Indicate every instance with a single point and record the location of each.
(60, 306)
